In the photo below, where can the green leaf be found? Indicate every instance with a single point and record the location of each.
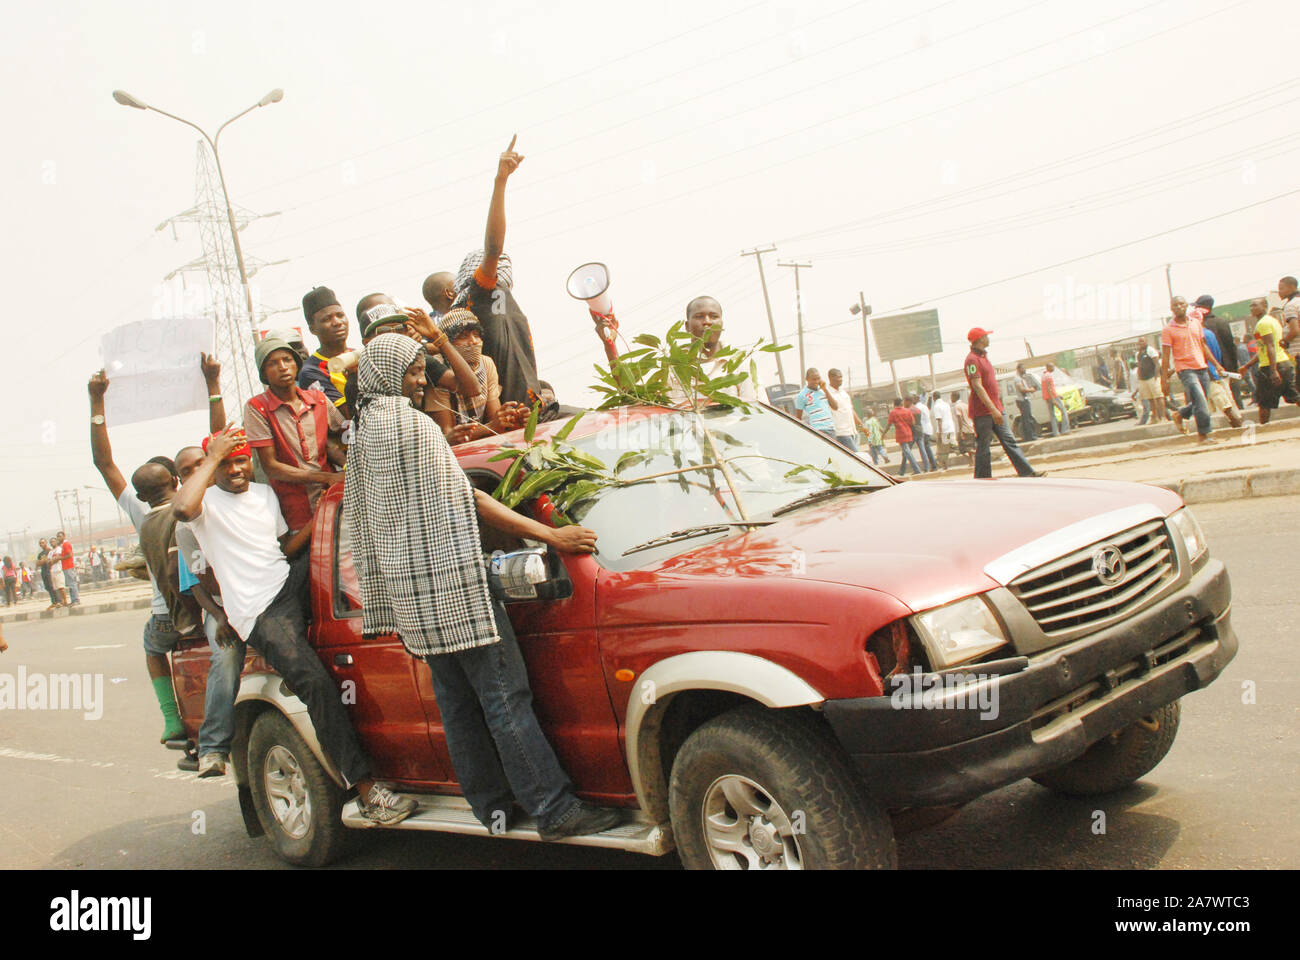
(531, 427)
(564, 431)
(534, 484)
(649, 339)
(505, 455)
(508, 481)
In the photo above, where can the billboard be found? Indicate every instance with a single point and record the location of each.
(907, 335)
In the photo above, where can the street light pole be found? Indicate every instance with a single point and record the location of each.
(275, 96)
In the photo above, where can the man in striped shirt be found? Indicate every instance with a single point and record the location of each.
(815, 405)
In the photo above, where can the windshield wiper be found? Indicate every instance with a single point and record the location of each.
(822, 495)
(698, 531)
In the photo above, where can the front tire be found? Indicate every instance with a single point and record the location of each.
(1116, 761)
(299, 806)
(768, 790)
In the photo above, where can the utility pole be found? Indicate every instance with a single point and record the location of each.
(797, 265)
(862, 308)
(1169, 279)
(757, 254)
(58, 502)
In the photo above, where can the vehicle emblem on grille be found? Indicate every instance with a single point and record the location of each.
(1108, 564)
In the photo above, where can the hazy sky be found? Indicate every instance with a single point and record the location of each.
(911, 151)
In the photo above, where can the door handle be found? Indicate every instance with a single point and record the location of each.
(342, 659)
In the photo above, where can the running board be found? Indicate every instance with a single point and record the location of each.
(444, 814)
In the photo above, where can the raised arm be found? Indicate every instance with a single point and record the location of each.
(100, 449)
(212, 377)
(467, 384)
(494, 238)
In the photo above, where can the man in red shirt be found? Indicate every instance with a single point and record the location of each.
(986, 410)
(69, 566)
(901, 421)
(1054, 401)
(291, 429)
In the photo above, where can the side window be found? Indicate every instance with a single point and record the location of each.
(492, 540)
(347, 590)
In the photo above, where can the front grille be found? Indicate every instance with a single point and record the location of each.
(1067, 593)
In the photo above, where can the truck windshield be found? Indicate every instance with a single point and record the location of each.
(761, 447)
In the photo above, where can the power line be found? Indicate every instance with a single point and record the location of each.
(1085, 256)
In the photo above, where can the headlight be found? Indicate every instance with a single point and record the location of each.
(1185, 525)
(957, 632)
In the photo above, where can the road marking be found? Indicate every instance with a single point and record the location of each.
(183, 775)
(101, 646)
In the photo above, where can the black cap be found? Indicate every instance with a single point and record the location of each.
(318, 298)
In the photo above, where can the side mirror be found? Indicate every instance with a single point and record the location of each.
(590, 282)
(532, 574)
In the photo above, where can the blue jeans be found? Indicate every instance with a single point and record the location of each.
(878, 453)
(1196, 384)
(906, 447)
(1028, 428)
(280, 635)
(927, 454)
(224, 668)
(985, 431)
(1053, 405)
(496, 744)
(70, 580)
(848, 443)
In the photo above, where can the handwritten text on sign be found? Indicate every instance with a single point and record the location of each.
(153, 368)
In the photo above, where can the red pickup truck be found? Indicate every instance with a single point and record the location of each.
(775, 695)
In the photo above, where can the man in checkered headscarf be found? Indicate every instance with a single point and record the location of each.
(414, 516)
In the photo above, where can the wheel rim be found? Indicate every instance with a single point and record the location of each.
(286, 792)
(746, 829)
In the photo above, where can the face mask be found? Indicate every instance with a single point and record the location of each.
(472, 352)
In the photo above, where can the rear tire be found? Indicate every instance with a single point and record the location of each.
(768, 789)
(299, 806)
(1118, 760)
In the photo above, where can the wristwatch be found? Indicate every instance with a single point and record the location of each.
(97, 419)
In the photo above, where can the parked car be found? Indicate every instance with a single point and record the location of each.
(1099, 404)
(764, 697)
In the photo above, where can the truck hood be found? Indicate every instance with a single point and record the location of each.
(925, 543)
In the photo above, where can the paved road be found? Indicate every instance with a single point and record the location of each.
(97, 793)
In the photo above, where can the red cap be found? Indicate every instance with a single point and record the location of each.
(977, 332)
(243, 450)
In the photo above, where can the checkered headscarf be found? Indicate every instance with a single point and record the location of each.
(505, 275)
(414, 527)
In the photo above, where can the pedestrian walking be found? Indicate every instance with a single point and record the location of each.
(813, 405)
(875, 438)
(965, 427)
(1026, 386)
(1275, 378)
(902, 421)
(1150, 386)
(11, 582)
(1182, 346)
(846, 418)
(945, 428)
(924, 433)
(986, 410)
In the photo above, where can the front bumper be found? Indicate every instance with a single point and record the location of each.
(913, 751)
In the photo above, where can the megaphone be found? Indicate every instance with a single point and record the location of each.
(590, 282)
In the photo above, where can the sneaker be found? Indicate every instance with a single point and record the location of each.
(584, 819)
(1039, 473)
(212, 765)
(187, 763)
(383, 807)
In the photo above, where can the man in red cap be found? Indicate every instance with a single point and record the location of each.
(986, 410)
(263, 571)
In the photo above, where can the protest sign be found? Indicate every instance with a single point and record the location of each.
(153, 367)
